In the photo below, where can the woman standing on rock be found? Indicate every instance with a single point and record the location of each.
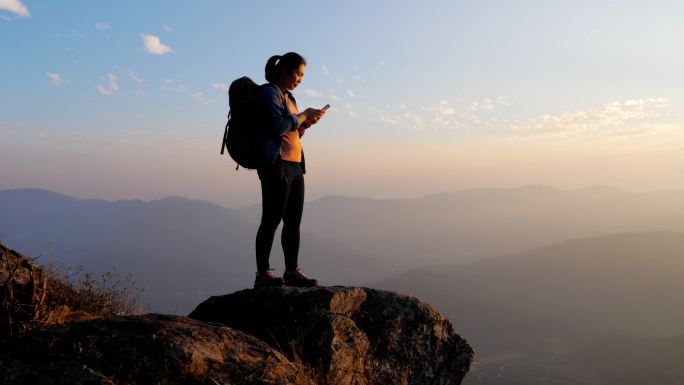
(282, 176)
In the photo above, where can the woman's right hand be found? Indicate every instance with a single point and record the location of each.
(312, 113)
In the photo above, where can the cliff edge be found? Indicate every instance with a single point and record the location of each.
(322, 335)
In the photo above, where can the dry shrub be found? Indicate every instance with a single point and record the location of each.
(104, 296)
(31, 296)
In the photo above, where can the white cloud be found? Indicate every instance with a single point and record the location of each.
(487, 105)
(171, 86)
(199, 96)
(77, 34)
(615, 119)
(15, 6)
(4, 17)
(167, 28)
(134, 76)
(391, 120)
(221, 86)
(313, 93)
(102, 26)
(56, 79)
(502, 101)
(325, 70)
(443, 108)
(154, 46)
(111, 87)
(348, 107)
(351, 93)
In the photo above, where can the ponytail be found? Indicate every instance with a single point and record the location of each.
(288, 62)
(271, 68)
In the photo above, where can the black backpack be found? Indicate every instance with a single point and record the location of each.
(241, 137)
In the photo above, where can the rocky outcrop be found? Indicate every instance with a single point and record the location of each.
(22, 289)
(148, 349)
(323, 335)
(30, 297)
(349, 335)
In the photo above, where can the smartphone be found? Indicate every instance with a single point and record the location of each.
(326, 107)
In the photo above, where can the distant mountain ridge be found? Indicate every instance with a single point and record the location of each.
(180, 250)
(551, 307)
(206, 248)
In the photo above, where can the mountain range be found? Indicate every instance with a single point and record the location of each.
(180, 250)
(586, 310)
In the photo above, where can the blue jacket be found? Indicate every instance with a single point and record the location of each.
(275, 120)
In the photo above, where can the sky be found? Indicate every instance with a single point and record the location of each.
(128, 100)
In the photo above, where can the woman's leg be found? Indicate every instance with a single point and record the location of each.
(292, 217)
(274, 197)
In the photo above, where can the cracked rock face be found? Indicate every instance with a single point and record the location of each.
(149, 349)
(349, 335)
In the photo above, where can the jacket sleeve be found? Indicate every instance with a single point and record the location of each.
(275, 121)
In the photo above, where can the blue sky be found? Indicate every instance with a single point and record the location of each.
(425, 97)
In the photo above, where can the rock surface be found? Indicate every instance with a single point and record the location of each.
(148, 349)
(22, 288)
(271, 336)
(29, 298)
(349, 335)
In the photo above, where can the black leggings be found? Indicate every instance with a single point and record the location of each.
(282, 195)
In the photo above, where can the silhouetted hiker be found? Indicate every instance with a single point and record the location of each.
(282, 178)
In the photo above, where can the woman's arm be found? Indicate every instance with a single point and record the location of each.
(276, 122)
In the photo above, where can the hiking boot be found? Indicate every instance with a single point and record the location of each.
(298, 278)
(267, 279)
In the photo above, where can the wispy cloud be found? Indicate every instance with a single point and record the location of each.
(350, 110)
(134, 76)
(402, 118)
(154, 46)
(442, 108)
(313, 93)
(170, 85)
(102, 26)
(56, 79)
(199, 96)
(325, 70)
(221, 86)
(111, 87)
(5, 17)
(167, 28)
(615, 119)
(15, 6)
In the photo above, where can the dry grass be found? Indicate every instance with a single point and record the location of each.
(32, 296)
(104, 296)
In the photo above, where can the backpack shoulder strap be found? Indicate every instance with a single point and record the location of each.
(224, 143)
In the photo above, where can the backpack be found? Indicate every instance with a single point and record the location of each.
(241, 137)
